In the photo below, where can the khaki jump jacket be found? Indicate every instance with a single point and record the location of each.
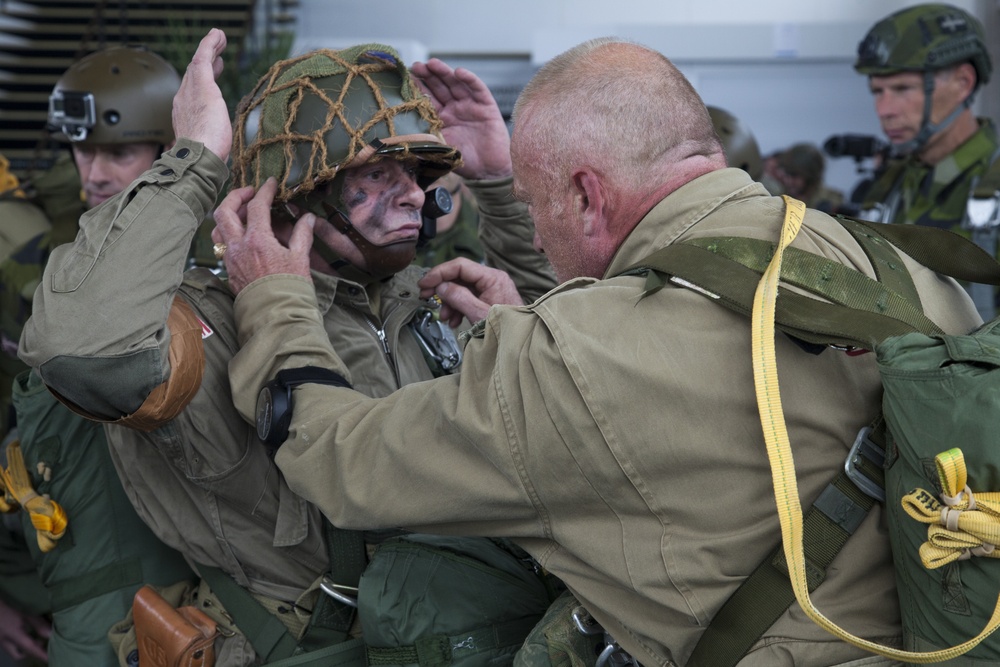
(202, 480)
(616, 439)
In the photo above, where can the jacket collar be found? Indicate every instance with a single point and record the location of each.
(681, 210)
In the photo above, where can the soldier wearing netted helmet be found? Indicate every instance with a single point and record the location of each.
(338, 148)
(925, 64)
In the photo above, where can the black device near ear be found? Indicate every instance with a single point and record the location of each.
(437, 202)
(274, 402)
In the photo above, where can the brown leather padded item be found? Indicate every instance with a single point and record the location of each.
(187, 365)
(168, 637)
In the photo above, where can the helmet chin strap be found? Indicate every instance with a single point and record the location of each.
(927, 128)
(381, 261)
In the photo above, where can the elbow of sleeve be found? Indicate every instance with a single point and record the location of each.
(105, 387)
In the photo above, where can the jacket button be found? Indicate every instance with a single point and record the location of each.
(167, 172)
(184, 152)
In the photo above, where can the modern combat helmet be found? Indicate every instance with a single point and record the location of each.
(118, 95)
(738, 142)
(311, 117)
(925, 38)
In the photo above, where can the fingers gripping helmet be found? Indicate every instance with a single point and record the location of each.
(925, 38)
(312, 117)
(738, 142)
(118, 95)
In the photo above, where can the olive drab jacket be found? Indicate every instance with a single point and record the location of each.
(616, 439)
(934, 195)
(122, 333)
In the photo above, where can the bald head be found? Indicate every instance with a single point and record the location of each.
(618, 104)
(602, 133)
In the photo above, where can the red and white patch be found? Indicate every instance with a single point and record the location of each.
(206, 330)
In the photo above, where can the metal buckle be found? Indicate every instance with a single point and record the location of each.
(437, 341)
(332, 589)
(612, 655)
(865, 449)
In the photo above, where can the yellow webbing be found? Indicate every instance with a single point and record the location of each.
(779, 452)
(47, 516)
(962, 524)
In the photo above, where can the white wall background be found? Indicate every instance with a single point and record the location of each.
(783, 66)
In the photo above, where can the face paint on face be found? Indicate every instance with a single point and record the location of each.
(383, 201)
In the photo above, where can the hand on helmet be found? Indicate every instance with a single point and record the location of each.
(200, 112)
(468, 289)
(252, 251)
(472, 120)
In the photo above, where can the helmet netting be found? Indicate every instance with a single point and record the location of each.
(279, 95)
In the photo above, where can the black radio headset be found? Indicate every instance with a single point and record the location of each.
(274, 402)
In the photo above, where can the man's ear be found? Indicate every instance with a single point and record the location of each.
(589, 200)
(965, 77)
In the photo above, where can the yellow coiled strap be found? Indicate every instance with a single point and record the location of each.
(963, 524)
(47, 516)
(779, 452)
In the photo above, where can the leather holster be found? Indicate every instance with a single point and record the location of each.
(169, 637)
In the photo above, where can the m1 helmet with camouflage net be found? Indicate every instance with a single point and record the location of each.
(118, 95)
(313, 117)
(738, 142)
(924, 37)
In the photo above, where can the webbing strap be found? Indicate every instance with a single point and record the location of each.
(885, 261)
(441, 650)
(826, 323)
(941, 251)
(331, 619)
(269, 636)
(766, 593)
(81, 588)
(779, 453)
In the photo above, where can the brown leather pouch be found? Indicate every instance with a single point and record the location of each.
(168, 637)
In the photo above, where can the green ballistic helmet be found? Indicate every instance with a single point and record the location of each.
(312, 116)
(118, 95)
(922, 38)
(738, 142)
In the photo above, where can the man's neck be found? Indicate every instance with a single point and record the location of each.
(947, 141)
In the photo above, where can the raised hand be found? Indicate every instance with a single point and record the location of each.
(472, 120)
(200, 112)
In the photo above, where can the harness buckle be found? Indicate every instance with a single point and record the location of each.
(866, 455)
(612, 655)
(344, 594)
